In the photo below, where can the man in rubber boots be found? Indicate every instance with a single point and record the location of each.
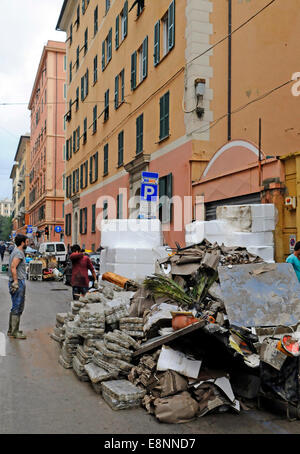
(17, 285)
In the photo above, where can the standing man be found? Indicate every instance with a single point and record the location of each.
(2, 250)
(80, 266)
(16, 285)
(294, 259)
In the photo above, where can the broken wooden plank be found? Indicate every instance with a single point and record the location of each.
(161, 340)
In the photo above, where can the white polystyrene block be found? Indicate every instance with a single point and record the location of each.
(129, 270)
(205, 227)
(128, 233)
(263, 225)
(249, 218)
(247, 239)
(265, 252)
(132, 255)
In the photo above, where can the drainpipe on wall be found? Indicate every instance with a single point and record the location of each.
(229, 66)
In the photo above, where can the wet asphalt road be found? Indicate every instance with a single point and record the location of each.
(39, 396)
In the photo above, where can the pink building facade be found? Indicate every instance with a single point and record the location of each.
(46, 177)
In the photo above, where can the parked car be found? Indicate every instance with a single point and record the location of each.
(54, 248)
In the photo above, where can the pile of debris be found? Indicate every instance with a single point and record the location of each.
(184, 339)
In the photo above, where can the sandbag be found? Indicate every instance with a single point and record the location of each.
(177, 409)
(170, 383)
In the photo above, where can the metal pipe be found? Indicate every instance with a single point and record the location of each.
(229, 67)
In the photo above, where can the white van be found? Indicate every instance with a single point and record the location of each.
(54, 248)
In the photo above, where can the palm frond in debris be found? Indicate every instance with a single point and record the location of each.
(162, 286)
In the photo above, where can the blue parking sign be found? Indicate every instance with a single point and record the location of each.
(149, 186)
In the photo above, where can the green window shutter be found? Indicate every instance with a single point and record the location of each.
(122, 85)
(81, 176)
(85, 220)
(120, 206)
(133, 70)
(94, 119)
(103, 55)
(139, 133)
(84, 130)
(95, 69)
(171, 22)
(125, 18)
(105, 167)
(156, 43)
(121, 148)
(77, 98)
(164, 116)
(96, 166)
(86, 82)
(93, 218)
(74, 141)
(109, 49)
(77, 57)
(91, 169)
(117, 36)
(86, 174)
(82, 88)
(78, 138)
(105, 209)
(95, 20)
(116, 92)
(80, 221)
(145, 57)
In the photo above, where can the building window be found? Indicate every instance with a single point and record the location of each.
(84, 175)
(107, 6)
(74, 141)
(119, 89)
(65, 63)
(156, 54)
(107, 50)
(95, 69)
(68, 229)
(85, 85)
(165, 196)
(83, 221)
(139, 133)
(83, 8)
(121, 148)
(77, 58)
(65, 91)
(93, 218)
(164, 129)
(168, 29)
(78, 139)
(77, 99)
(122, 20)
(95, 20)
(120, 206)
(94, 119)
(139, 60)
(140, 6)
(71, 34)
(106, 105)
(85, 41)
(105, 209)
(70, 73)
(84, 130)
(105, 166)
(94, 168)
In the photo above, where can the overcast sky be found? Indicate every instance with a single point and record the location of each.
(26, 26)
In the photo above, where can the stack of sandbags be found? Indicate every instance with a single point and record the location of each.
(59, 331)
(76, 306)
(133, 326)
(69, 347)
(92, 321)
(121, 394)
(83, 357)
(114, 311)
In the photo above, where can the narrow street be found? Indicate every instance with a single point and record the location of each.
(39, 396)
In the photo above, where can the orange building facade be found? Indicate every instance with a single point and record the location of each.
(128, 90)
(47, 106)
(149, 89)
